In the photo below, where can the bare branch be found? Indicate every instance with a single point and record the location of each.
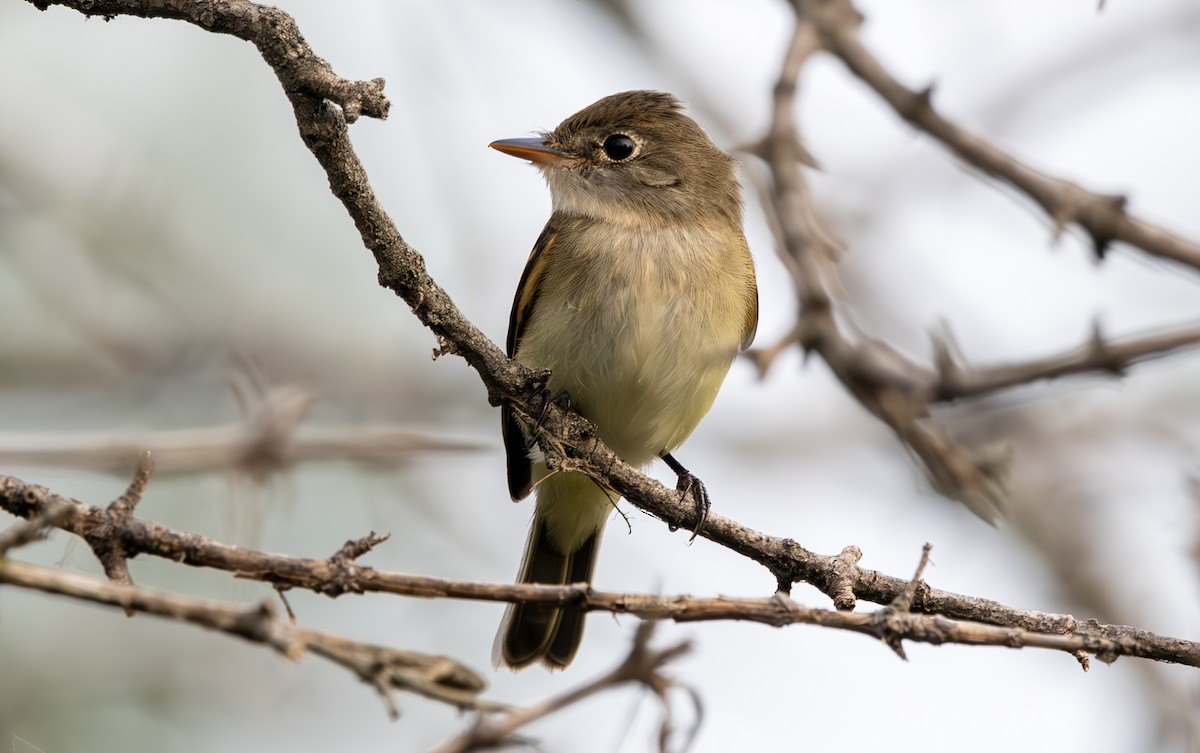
(383, 668)
(956, 381)
(1103, 218)
(839, 576)
(127, 502)
(271, 438)
(643, 665)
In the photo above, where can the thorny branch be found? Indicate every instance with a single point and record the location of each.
(955, 618)
(894, 388)
(271, 437)
(385, 669)
(1103, 218)
(880, 378)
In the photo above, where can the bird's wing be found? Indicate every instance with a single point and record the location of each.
(750, 326)
(520, 471)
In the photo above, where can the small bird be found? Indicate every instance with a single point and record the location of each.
(637, 297)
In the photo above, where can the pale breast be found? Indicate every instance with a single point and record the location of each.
(639, 326)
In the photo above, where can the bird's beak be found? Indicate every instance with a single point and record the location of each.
(534, 150)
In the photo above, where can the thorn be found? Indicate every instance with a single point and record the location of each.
(888, 622)
(279, 590)
(444, 348)
(1111, 209)
(1100, 352)
(947, 356)
(355, 548)
(904, 600)
(922, 102)
(1061, 219)
(805, 157)
(125, 503)
(1081, 656)
(841, 587)
(757, 148)
(759, 359)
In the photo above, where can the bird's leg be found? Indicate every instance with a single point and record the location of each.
(690, 486)
(562, 399)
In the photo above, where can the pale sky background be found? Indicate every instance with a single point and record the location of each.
(161, 222)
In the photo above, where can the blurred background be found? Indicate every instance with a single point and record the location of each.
(173, 270)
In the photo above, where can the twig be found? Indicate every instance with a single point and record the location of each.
(956, 381)
(889, 623)
(383, 668)
(643, 665)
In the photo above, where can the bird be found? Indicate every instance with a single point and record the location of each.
(637, 297)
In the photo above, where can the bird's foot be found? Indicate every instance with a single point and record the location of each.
(562, 399)
(690, 485)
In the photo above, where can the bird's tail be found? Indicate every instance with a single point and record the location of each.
(562, 546)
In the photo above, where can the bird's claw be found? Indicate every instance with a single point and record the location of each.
(690, 485)
(562, 399)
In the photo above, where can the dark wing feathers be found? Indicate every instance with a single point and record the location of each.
(520, 471)
(527, 290)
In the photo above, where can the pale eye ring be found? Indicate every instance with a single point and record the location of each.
(619, 147)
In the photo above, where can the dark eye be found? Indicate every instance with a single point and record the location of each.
(619, 147)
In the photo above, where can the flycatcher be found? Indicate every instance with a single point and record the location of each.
(637, 296)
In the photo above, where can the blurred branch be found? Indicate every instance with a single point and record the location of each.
(894, 388)
(385, 669)
(885, 382)
(270, 438)
(643, 665)
(113, 532)
(1103, 218)
(956, 381)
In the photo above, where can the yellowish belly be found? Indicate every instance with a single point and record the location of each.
(641, 344)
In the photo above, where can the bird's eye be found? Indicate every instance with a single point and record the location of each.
(619, 147)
